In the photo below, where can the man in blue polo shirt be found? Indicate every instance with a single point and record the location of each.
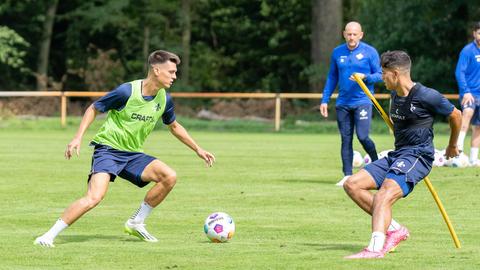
(413, 110)
(467, 74)
(353, 107)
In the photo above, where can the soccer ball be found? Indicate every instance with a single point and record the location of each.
(461, 161)
(219, 227)
(448, 162)
(357, 159)
(367, 159)
(440, 159)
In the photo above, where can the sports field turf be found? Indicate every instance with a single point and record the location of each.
(279, 188)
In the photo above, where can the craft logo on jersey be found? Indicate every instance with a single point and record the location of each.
(397, 115)
(158, 107)
(140, 117)
(400, 164)
(342, 59)
(363, 114)
(359, 56)
(477, 57)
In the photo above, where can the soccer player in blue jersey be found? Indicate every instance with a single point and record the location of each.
(413, 107)
(354, 109)
(467, 74)
(133, 110)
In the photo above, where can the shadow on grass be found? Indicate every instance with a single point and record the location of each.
(65, 239)
(346, 247)
(312, 181)
(208, 242)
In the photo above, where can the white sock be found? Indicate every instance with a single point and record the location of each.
(461, 138)
(142, 213)
(473, 154)
(59, 226)
(377, 242)
(393, 226)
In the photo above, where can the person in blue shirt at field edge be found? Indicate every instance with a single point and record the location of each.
(467, 74)
(354, 108)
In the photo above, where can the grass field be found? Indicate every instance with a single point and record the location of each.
(279, 188)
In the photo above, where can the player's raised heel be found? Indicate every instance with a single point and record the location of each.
(139, 231)
(394, 238)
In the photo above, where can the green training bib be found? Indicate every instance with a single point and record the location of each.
(127, 129)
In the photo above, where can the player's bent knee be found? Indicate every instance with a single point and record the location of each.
(92, 201)
(350, 185)
(171, 179)
(385, 197)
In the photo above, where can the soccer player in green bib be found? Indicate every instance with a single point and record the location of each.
(133, 110)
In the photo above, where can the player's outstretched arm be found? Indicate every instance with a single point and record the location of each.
(74, 145)
(181, 133)
(455, 121)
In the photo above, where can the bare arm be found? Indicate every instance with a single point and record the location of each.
(182, 135)
(455, 121)
(74, 145)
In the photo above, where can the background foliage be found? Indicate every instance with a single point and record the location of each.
(240, 45)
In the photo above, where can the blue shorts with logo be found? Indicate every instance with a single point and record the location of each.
(127, 165)
(407, 167)
(475, 106)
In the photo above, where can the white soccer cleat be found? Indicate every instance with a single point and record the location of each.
(44, 242)
(341, 182)
(138, 230)
(475, 163)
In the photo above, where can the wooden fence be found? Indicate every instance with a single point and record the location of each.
(64, 95)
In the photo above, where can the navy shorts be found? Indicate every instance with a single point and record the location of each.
(127, 165)
(475, 106)
(406, 166)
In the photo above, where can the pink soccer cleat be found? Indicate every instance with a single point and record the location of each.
(394, 238)
(366, 254)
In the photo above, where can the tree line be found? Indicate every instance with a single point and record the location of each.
(225, 45)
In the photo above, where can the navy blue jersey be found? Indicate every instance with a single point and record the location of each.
(117, 99)
(413, 116)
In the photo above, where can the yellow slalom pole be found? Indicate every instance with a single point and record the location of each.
(388, 121)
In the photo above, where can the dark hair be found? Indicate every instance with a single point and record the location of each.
(476, 26)
(396, 59)
(160, 57)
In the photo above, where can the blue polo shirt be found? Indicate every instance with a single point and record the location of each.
(343, 63)
(467, 72)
